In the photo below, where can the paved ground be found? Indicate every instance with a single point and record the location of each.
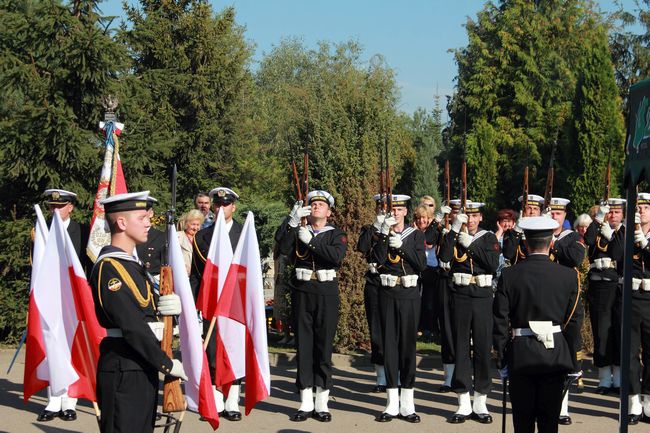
(353, 407)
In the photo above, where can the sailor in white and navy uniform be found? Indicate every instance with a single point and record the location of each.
(317, 250)
(605, 238)
(474, 257)
(514, 247)
(400, 256)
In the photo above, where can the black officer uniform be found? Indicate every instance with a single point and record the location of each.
(442, 301)
(201, 245)
(537, 290)
(367, 239)
(471, 309)
(604, 290)
(314, 303)
(130, 356)
(399, 306)
(640, 324)
(151, 252)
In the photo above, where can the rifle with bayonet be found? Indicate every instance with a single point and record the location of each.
(173, 399)
(548, 191)
(301, 183)
(524, 197)
(389, 186)
(447, 192)
(463, 191)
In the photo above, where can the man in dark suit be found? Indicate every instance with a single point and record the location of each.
(537, 320)
(224, 200)
(64, 201)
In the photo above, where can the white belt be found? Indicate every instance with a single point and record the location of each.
(372, 268)
(639, 284)
(461, 279)
(303, 274)
(543, 330)
(156, 327)
(388, 280)
(603, 263)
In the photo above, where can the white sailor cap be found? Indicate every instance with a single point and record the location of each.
(127, 202)
(320, 195)
(454, 204)
(533, 199)
(616, 203)
(538, 226)
(223, 195)
(378, 197)
(59, 196)
(473, 206)
(400, 199)
(558, 203)
(643, 198)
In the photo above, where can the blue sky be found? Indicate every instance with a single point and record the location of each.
(414, 36)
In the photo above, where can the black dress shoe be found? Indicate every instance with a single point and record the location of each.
(68, 415)
(384, 417)
(379, 388)
(483, 418)
(300, 416)
(645, 418)
(47, 415)
(564, 420)
(412, 418)
(444, 389)
(615, 390)
(322, 416)
(603, 390)
(231, 415)
(633, 419)
(458, 419)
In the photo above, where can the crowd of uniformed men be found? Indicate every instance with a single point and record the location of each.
(517, 292)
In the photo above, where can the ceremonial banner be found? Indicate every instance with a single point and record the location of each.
(637, 146)
(111, 182)
(242, 299)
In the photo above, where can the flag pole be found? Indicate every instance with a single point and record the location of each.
(210, 331)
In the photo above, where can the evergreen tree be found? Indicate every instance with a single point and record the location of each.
(427, 139)
(58, 62)
(518, 85)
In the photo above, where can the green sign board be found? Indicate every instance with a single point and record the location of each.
(637, 146)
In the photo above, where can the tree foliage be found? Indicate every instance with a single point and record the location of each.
(532, 74)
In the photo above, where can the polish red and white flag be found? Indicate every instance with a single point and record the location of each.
(242, 299)
(198, 387)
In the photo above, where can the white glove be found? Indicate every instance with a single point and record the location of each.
(547, 214)
(299, 211)
(387, 224)
(637, 218)
(440, 215)
(606, 231)
(601, 214)
(395, 241)
(177, 369)
(461, 219)
(464, 239)
(169, 305)
(639, 238)
(444, 231)
(445, 266)
(304, 235)
(379, 220)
